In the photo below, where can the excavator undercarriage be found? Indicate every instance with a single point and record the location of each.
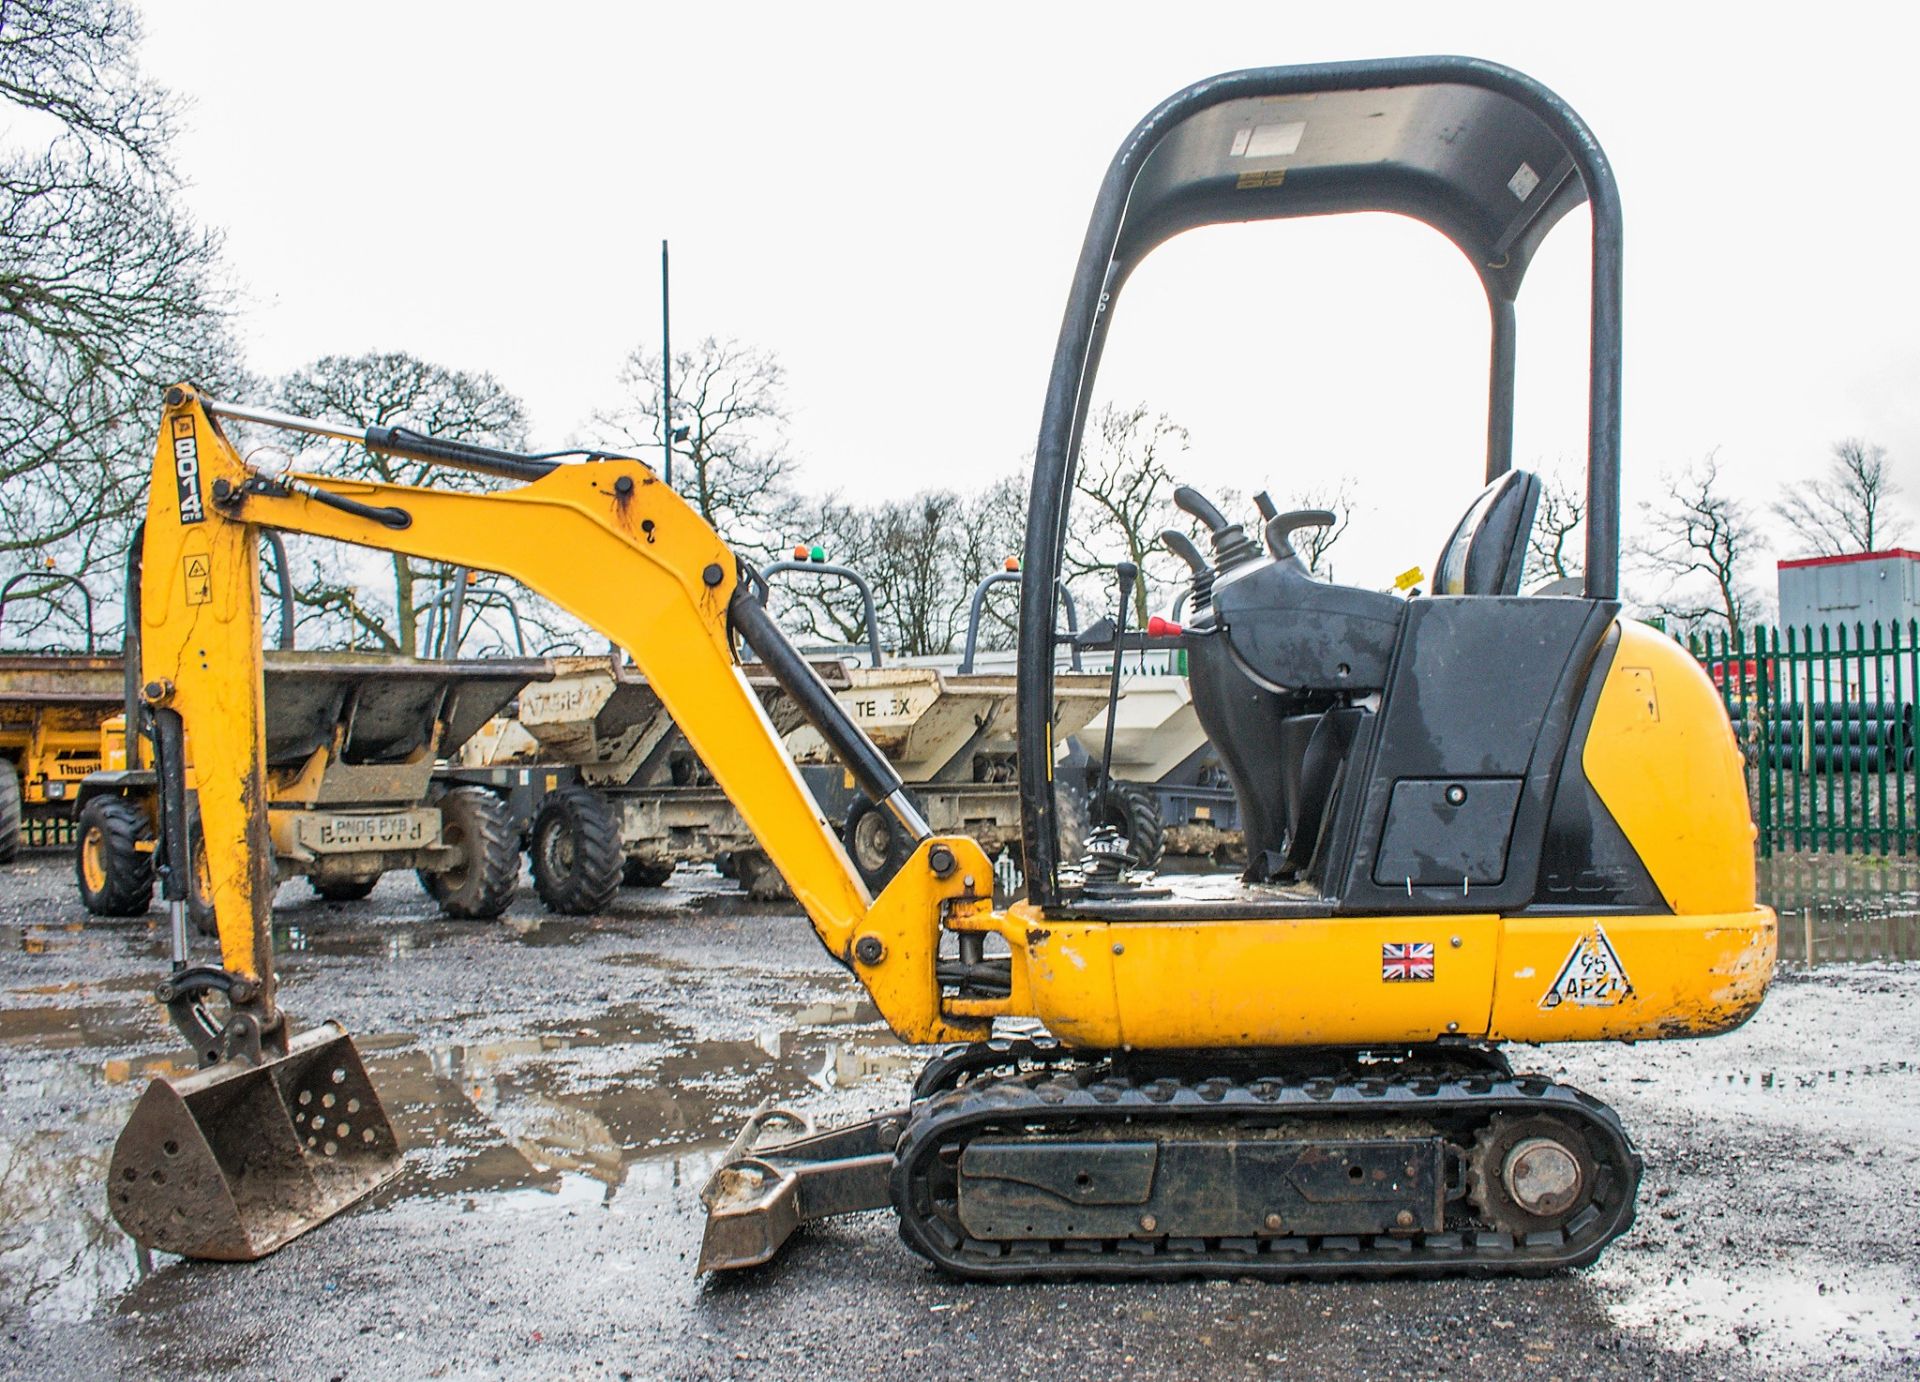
(1022, 1159)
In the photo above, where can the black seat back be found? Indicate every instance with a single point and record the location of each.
(1488, 551)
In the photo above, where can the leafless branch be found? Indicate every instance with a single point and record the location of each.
(732, 465)
(1696, 544)
(1848, 510)
(379, 390)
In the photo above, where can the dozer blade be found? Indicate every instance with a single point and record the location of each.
(233, 1161)
(767, 1186)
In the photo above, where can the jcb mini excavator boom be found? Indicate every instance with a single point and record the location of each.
(1471, 818)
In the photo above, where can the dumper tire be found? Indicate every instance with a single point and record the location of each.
(114, 874)
(577, 863)
(639, 873)
(481, 887)
(876, 843)
(758, 878)
(1132, 810)
(9, 812)
(344, 889)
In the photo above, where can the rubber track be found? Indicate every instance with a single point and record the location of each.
(1075, 1098)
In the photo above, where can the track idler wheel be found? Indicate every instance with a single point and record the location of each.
(1529, 1174)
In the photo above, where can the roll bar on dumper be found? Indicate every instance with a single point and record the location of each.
(54, 709)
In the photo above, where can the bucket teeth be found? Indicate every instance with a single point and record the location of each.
(233, 1161)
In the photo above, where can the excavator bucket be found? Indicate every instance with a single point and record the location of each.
(233, 1161)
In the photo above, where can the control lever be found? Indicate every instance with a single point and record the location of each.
(1197, 504)
(1182, 547)
(1231, 545)
(1127, 573)
(1264, 502)
(1280, 530)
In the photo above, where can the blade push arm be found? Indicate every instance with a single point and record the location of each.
(603, 539)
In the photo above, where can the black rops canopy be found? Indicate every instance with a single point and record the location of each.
(1486, 156)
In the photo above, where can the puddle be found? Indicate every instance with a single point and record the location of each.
(598, 1097)
(1777, 1314)
(622, 1104)
(60, 1252)
(1843, 908)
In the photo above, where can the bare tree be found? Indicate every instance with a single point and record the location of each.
(108, 290)
(1126, 480)
(995, 533)
(923, 557)
(1552, 553)
(383, 390)
(732, 463)
(1697, 542)
(1847, 510)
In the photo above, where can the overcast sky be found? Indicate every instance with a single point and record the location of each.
(892, 199)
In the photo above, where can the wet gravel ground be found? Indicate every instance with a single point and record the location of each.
(563, 1087)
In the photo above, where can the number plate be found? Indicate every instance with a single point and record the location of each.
(330, 832)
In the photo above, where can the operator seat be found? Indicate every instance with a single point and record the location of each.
(1488, 550)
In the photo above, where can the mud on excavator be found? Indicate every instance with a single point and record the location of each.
(1291, 1072)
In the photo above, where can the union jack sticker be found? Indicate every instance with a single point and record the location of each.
(1407, 964)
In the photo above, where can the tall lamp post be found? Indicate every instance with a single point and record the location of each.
(666, 374)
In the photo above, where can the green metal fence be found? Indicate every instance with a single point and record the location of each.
(1826, 720)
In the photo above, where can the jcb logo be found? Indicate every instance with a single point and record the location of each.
(186, 471)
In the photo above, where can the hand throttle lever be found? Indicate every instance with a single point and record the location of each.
(1281, 528)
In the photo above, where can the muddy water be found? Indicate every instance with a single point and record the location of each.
(1839, 908)
(563, 1087)
(574, 1098)
(582, 1112)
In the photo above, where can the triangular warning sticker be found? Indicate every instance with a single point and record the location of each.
(1592, 977)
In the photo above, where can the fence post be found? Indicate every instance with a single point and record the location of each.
(1826, 710)
(1902, 737)
(1760, 723)
(1793, 746)
(1886, 732)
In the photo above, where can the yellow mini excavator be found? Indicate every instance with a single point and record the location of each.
(1472, 818)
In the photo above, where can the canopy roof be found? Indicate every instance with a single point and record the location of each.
(1480, 165)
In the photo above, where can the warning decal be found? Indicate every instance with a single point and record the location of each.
(1592, 977)
(199, 580)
